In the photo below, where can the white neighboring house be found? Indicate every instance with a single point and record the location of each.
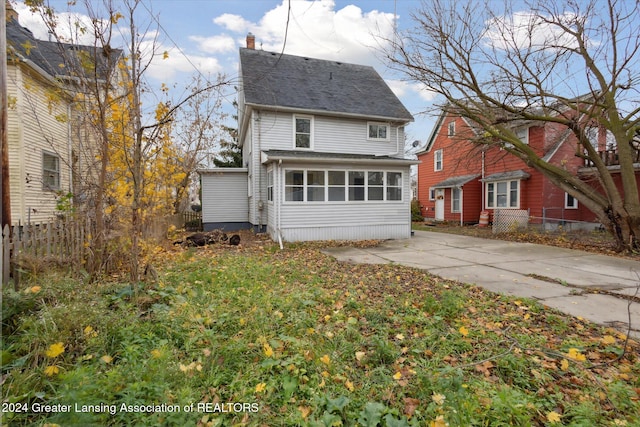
(52, 151)
(323, 150)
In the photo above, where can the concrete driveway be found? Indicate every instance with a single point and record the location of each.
(575, 282)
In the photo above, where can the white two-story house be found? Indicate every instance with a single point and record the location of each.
(323, 148)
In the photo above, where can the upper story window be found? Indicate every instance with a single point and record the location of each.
(523, 135)
(303, 132)
(437, 160)
(50, 171)
(451, 131)
(378, 131)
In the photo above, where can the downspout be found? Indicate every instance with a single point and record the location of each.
(277, 178)
(260, 203)
(397, 144)
(482, 181)
(461, 206)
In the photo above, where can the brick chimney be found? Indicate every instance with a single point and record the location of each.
(251, 41)
(12, 15)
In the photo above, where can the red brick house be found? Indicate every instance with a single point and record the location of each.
(458, 179)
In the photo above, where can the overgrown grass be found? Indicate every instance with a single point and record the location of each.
(295, 338)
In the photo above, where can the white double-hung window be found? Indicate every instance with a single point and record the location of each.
(303, 135)
(378, 131)
(503, 194)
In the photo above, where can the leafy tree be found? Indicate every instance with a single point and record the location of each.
(230, 154)
(573, 63)
(137, 160)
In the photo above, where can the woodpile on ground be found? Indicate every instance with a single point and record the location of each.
(209, 238)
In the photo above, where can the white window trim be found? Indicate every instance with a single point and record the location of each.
(311, 128)
(566, 202)
(326, 200)
(495, 183)
(45, 186)
(451, 128)
(526, 135)
(270, 185)
(388, 138)
(432, 193)
(436, 154)
(453, 210)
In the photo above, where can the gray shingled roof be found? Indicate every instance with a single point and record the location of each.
(272, 79)
(456, 181)
(518, 174)
(53, 57)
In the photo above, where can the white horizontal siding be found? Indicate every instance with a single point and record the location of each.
(361, 232)
(359, 220)
(36, 123)
(224, 197)
(330, 135)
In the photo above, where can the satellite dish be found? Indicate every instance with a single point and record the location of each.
(415, 143)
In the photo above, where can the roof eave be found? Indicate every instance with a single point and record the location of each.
(378, 161)
(401, 120)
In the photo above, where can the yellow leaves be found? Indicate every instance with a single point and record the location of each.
(360, 355)
(553, 417)
(438, 398)
(399, 337)
(608, 339)
(51, 370)
(106, 359)
(326, 359)
(260, 387)
(34, 289)
(349, 385)
(190, 367)
(439, 422)
(305, 411)
(156, 354)
(575, 354)
(564, 365)
(55, 350)
(165, 55)
(268, 351)
(463, 331)
(397, 375)
(116, 17)
(89, 332)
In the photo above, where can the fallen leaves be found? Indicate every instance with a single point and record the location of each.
(55, 350)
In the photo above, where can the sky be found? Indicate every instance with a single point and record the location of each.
(203, 37)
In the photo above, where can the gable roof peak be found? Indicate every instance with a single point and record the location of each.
(317, 85)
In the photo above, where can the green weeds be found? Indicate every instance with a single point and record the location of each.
(268, 337)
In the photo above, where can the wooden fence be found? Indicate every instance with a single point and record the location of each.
(64, 241)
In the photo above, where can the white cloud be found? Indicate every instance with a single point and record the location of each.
(408, 90)
(69, 25)
(166, 70)
(231, 22)
(215, 44)
(317, 30)
(527, 29)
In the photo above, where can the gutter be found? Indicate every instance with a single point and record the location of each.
(378, 161)
(395, 120)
